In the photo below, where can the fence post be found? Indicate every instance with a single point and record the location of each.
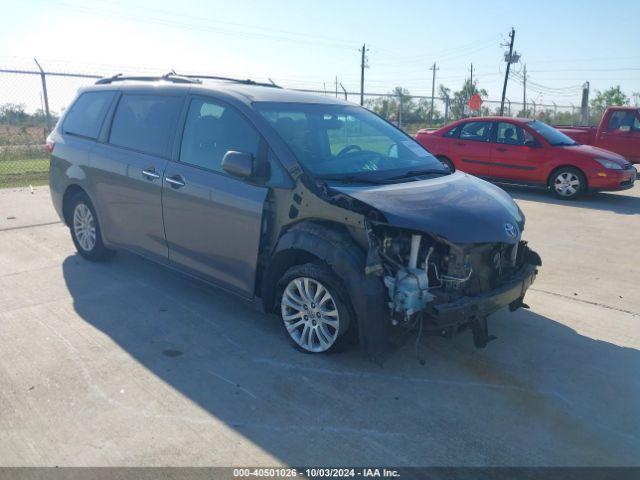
(344, 90)
(44, 95)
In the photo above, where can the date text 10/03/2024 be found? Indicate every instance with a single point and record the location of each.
(316, 472)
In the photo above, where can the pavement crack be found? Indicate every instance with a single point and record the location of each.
(588, 302)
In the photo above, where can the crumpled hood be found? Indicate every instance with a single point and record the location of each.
(458, 207)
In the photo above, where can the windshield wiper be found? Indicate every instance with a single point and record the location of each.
(351, 179)
(415, 173)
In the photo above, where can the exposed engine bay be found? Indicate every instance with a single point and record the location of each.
(422, 272)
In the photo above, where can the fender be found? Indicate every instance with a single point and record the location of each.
(334, 246)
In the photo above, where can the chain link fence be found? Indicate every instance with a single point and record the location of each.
(30, 105)
(31, 101)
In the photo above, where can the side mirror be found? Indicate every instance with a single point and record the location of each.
(531, 143)
(238, 164)
(625, 128)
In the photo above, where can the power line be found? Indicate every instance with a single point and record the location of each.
(285, 37)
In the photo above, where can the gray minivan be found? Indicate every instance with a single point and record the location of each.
(332, 217)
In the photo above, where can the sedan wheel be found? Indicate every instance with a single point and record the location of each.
(567, 184)
(84, 227)
(310, 314)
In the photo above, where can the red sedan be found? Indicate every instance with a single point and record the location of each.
(527, 152)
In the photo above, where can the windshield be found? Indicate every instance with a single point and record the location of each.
(347, 142)
(553, 136)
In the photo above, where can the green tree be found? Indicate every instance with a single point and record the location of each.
(458, 100)
(13, 113)
(602, 100)
(415, 112)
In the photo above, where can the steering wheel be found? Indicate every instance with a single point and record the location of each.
(348, 148)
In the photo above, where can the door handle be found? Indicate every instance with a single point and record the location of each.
(501, 149)
(150, 174)
(460, 144)
(176, 181)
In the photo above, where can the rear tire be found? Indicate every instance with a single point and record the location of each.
(315, 316)
(448, 163)
(85, 229)
(567, 183)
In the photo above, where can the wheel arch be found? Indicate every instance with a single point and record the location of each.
(316, 240)
(71, 190)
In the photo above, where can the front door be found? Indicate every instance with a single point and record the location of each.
(623, 134)
(212, 220)
(516, 155)
(471, 150)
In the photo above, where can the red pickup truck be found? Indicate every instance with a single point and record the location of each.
(619, 131)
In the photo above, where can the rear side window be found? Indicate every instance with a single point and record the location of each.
(87, 114)
(476, 131)
(145, 123)
(452, 132)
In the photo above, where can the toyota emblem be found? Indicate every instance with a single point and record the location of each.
(511, 230)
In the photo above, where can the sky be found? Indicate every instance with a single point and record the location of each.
(307, 44)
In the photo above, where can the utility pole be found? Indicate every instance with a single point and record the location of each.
(584, 110)
(433, 90)
(336, 86)
(472, 89)
(363, 65)
(524, 90)
(509, 61)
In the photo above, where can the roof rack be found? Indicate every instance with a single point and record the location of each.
(169, 77)
(246, 81)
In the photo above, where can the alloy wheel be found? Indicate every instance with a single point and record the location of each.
(84, 227)
(310, 314)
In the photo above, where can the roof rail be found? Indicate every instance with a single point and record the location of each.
(169, 77)
(246, 81)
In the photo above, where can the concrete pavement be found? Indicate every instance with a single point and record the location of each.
(127, 363)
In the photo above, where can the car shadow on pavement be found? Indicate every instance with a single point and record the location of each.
(615, 202)
(541, 394)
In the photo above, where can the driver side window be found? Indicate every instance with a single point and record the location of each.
(211, 130)
(511, 134)
(623, 118)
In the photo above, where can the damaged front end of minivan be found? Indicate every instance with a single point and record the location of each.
(448, 286)
(439, 253)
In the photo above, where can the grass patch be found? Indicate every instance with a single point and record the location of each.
(22, 172)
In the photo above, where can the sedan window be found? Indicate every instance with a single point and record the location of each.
(510, 134)
(476, 131)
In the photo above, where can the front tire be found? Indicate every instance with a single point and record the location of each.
(85, 229)
(568, 183)
(315, 316)
(447, 163)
